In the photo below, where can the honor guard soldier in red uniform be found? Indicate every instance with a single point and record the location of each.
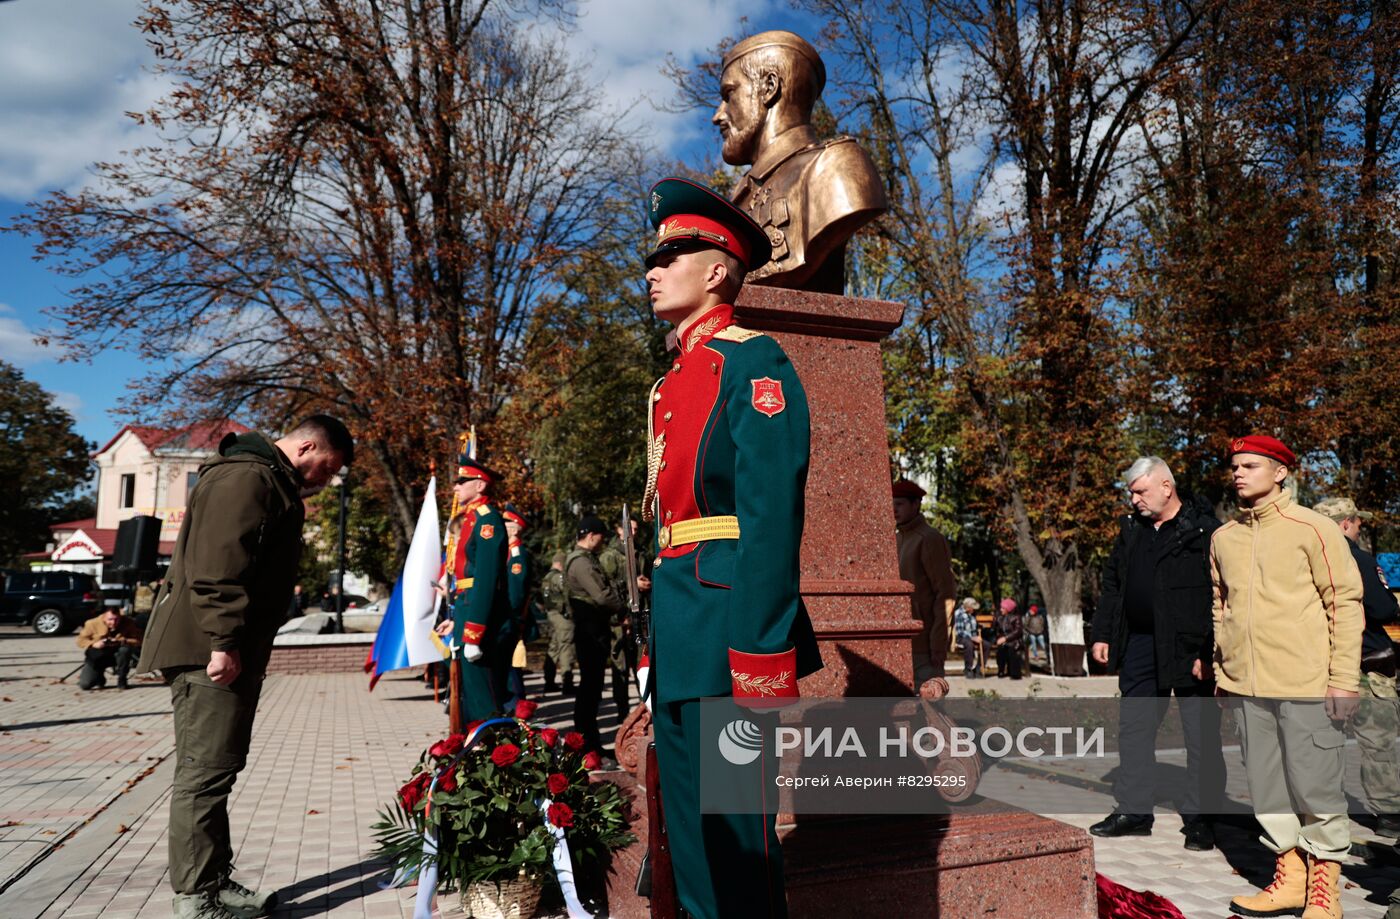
(727, 468)
(480, 626)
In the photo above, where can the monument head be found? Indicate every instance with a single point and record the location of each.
(808, 195)
(769, 83)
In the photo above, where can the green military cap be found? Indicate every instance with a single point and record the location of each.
(688, 215)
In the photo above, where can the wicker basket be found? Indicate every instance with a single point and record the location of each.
(512, 899)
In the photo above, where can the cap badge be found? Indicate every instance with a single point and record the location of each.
(655, 202)
(768, 396)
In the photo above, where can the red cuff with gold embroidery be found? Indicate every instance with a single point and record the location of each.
(763, 676)
(472, 632)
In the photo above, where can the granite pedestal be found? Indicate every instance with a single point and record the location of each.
(972, 862)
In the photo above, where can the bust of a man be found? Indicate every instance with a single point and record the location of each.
(809, 196)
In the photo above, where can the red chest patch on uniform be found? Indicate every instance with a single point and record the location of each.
(487, 531)
(516, 569)
(768, 396)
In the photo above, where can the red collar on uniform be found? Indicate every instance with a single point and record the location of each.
(705, 327)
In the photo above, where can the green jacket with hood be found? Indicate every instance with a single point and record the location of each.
(235, 560)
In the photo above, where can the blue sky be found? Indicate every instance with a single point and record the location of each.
(70, 69)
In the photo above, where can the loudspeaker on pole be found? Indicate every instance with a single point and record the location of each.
(138, 539)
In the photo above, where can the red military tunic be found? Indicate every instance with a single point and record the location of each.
(728, 461)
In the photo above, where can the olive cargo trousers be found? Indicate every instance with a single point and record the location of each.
(1293, 760)
(1376, 725)
(213, 728)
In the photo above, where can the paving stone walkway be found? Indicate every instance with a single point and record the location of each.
(93, 770)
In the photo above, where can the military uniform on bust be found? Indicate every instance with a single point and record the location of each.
(807, 195)
(480, 625)
(727, 469)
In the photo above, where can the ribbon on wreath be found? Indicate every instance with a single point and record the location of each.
(564, 867)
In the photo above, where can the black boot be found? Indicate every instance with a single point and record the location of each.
(1199, 836)
(568, 687)
(1116, 824)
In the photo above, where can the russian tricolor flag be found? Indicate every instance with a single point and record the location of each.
(405, 636)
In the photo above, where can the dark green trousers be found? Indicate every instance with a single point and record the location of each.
(727, 866)
(213, 727)
(483, 689)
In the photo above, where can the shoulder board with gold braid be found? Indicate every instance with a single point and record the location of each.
(483, 510)
(736, 333)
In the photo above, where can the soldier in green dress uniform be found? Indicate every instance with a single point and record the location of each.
(480, 626)
(518, 583)
(727, 468)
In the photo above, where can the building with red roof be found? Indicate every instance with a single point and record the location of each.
(143, 470)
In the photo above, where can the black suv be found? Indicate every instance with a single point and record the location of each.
(54, 602)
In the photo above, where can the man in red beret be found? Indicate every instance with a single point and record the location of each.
(925, 562)
(1288, 620)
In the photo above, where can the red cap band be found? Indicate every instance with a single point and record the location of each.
(679, 228)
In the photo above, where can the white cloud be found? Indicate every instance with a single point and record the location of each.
(627, 41)
(70, 402)
(69, 70)
(17, 343)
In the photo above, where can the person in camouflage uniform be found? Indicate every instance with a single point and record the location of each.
(553, 601)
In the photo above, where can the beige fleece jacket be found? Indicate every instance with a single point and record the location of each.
(1288, 615)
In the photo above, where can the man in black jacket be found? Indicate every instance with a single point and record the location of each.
(1153, 625)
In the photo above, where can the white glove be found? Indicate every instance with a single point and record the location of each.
(471, 652)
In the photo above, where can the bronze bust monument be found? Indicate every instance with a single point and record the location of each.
(809, 196)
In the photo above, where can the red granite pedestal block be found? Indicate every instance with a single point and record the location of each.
(850, 571)
(973, 862)
(968, 863)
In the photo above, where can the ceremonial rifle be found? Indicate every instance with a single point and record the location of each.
(656, 878)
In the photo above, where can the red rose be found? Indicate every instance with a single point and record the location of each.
(524, 709)
(448, 746)
(591, 760)
(550, 737)
(574, 741)
(412, 792)
(556, 783)
(561, 815)
(505, 754)
(448, 781)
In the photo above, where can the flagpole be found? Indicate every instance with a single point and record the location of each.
(455, 722)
